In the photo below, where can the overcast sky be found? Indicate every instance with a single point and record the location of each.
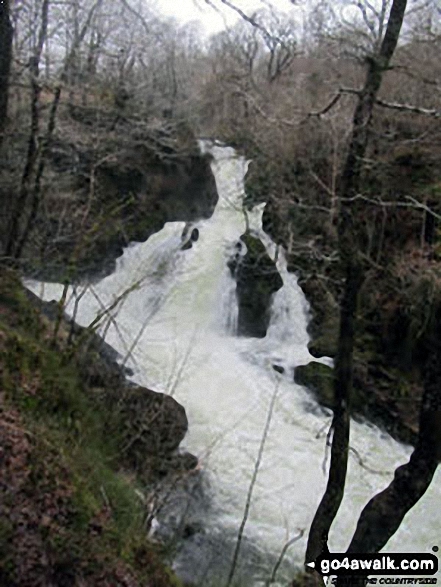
(186, 10)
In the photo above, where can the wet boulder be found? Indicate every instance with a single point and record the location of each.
(194, 237)
(325, 318)
(155, 424)
(257, 280)
(319, 379)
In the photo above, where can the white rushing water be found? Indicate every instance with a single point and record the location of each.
(178, 325)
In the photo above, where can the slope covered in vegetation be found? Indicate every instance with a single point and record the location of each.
(75, 468)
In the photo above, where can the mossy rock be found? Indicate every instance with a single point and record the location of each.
(257, 279)
(152, 425)
(319, 379)
(325, 345)
(324, 310)
(122, 192)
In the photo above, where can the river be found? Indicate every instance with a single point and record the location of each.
(175, 330)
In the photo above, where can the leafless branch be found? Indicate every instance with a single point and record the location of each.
(251, 487)
(270, 119)
(111, 319)
(334, 101)
(366, 467)
(250, 19)
(327, 108)
(411, 203)
(137, 15)
(282, 554)
(409, 108)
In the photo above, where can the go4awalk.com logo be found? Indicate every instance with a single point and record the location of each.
(378, 564)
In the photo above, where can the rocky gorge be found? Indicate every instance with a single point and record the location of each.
(148, 426)
(101, 193)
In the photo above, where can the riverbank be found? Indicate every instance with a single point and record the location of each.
(400, 294)
(108, 181)
(84, 455)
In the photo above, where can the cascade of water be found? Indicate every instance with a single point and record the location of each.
(181, 316)
(229, 310)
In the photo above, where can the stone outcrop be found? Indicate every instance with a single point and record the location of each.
(155, 426)
(324, 323)
(188, 242)
(106, 187)
(319, 379)
(257, 280)
(150, 424)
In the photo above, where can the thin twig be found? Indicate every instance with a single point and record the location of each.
(432, 112)
(282, 554)
(251, 487)
(361, 463)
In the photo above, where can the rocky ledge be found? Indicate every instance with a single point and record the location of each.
(107, 184)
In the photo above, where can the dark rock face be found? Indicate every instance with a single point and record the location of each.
(156, 191)
(174, 188)
(156, 424)
(151, 425)
(194, 237)
(257, 280)
(325, 318)
(126, 191)
(319, 379)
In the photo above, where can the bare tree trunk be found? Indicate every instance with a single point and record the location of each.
(36, 194)
(383, 515)
(331, 500)
(348, 250)
(36, 157)
(34, 67)
(6, 35)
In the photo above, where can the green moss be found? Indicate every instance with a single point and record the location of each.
(6, 533)
(319, 379)
(73, 454)
(324, 345)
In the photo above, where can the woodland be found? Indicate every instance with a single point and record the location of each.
(338, 108)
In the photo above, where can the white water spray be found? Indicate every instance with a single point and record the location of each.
(182, 315)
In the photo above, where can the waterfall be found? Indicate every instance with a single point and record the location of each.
(229, 310)
(182, 315)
